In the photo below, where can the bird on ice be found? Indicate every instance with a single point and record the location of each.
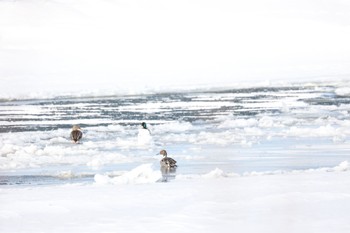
(76, 134)
(144, 136)
(144, 127)
(167, 161)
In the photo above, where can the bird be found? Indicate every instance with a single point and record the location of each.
(144, 126)
(144, 136)
(76, 134)
(167, 161)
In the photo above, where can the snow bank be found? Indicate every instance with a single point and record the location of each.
(219, 173)
(305, 202)
(343, 166)
(142, 174)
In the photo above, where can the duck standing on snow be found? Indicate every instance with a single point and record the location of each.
(167, 161)
(144, 136)
(144, 126)
(76, 134)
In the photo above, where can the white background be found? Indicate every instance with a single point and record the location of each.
(133, 46)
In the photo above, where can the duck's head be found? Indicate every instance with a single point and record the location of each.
(76, 127)
(144, 125)
(163, 152)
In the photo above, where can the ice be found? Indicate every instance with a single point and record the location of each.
(241, 165)
(250, 97)
(113, 138)
(309, 201)
(343, 166)
(217, 173)
(344, 91)
(142, 174)
(238, 123)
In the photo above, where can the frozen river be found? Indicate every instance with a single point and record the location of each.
(243, 130)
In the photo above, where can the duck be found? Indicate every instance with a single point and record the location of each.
(167, 161)
(144, 126)
(144, 136)
(76, 134)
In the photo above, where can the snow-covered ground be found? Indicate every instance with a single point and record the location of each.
(299, 202)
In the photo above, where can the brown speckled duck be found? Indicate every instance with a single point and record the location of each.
(167, 161)
(76, 134)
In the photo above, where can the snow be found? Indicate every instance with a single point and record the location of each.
(250, 160)
(101, 47)
(144, 137)
(301, 201)
(343, 91)
(141, 175)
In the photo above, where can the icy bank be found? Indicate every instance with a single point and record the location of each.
(309, 201)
